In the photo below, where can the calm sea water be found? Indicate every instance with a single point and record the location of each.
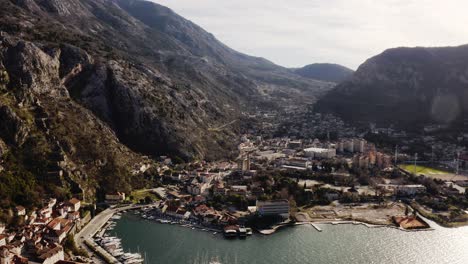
(173, 244)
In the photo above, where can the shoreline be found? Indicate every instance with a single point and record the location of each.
(336, 233)
(85, 238)
(337, 222)
(432, 217)
(275, 228)
(178, 222)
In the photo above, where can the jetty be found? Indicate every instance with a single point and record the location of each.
(316, 227)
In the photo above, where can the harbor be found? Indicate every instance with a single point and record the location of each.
(106, 241)
(113, 245)
(156, 216)
(342, 242)
(92, 236)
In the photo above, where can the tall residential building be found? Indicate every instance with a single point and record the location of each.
(349, 145)
(244, 163)
(360, 145)
(340, 147)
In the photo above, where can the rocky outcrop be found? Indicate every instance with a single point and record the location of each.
(51, 136)
(13, 129)
(31, 68)
(3, 148)
(59, 7)
(73, 61)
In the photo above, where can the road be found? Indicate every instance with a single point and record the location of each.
(94, 225)
(216, 129)
(90, 229)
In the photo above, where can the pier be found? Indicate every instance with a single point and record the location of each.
(316, 227)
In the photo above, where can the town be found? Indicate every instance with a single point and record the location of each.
(41, 235)
(278, 180)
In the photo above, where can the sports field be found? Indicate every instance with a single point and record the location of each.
(418, 169)
(433, 173)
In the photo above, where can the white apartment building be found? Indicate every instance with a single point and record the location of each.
(320, 153)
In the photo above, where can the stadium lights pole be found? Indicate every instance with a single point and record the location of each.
(396, 155)
(415, 159)
(432, 155)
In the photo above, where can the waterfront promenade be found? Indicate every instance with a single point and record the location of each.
(85, 236)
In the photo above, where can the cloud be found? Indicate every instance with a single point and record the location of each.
(298, 32)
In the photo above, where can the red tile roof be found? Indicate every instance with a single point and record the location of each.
(74, 201)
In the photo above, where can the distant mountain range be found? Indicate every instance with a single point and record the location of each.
(325, 72)
(409, 87)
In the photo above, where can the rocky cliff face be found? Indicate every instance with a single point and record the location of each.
(46, 136)
(89, 86)
(405, 86)
(149, 73)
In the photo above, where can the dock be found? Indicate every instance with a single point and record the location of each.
(101, 252)
(316, 227)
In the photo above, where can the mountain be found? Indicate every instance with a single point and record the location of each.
(173, 81)
(325, 72)
(408, 87)
(90, 87)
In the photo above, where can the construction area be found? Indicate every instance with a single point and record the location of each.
(367, 213)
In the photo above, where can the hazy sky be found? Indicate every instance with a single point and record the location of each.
(298, 32)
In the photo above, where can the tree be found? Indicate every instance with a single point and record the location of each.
(364, 179)
(178, 160)
(148, 200)
(70, 246)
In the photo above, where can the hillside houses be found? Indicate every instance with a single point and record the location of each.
(20, 210)
(42, 234)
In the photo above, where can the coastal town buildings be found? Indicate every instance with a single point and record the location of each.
(298, 162)
(244, 163)
(20, 210)
(271, 208)
(404, 190)
(320, 153)
(113, 198)
(52, 255)
(39, 238)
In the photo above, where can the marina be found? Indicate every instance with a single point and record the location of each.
(340, 243)
(113, 245)
(153, 214)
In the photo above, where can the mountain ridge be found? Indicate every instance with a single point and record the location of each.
(89, 91)
(405, 86)
(324, 72)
